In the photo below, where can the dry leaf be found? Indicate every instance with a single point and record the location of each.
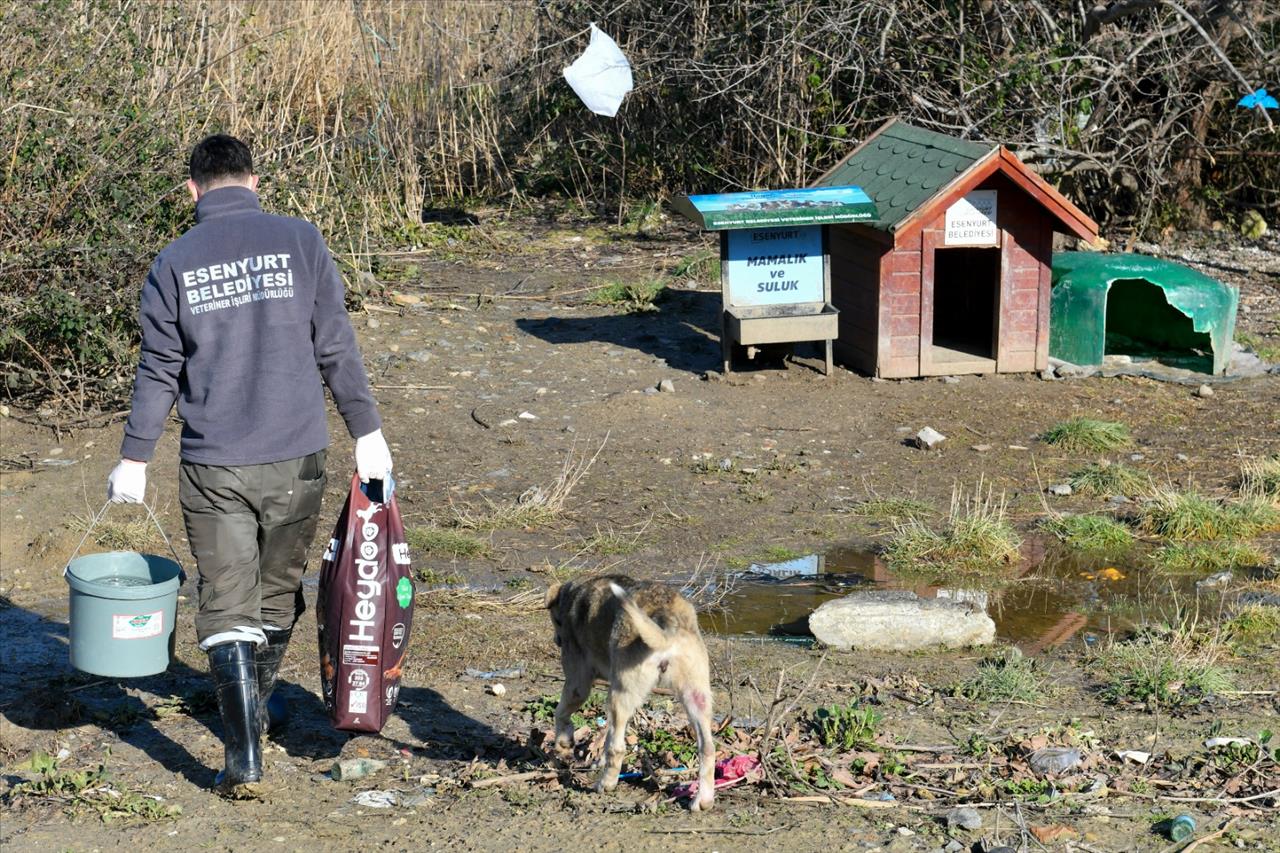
(1051, 833)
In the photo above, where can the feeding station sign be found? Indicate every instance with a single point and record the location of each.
(774, 266)
(971, 221)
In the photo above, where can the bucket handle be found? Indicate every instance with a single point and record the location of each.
(101, 514)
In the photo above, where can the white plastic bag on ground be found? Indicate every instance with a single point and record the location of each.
(601, 77)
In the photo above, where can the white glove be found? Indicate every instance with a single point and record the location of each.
(127, 483)
(373, 457)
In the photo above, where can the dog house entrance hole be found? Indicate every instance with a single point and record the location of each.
(1143, 325)
(966, 288)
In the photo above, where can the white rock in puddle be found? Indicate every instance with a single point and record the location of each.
(900, 621)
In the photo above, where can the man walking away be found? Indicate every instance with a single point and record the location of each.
(243, 324)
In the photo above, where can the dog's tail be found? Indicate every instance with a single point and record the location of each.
(651, 633)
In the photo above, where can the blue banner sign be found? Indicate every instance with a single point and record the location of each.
(775, 266)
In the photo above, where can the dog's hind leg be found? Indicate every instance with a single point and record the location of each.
(577, 687)
(624, 700)
(695, 694)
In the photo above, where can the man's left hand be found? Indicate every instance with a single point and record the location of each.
(373, 457)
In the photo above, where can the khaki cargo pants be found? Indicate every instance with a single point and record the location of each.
(249, 527)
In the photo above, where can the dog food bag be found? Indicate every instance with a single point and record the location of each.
(365, 609)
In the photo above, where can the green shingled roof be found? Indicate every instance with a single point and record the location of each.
(902, 167)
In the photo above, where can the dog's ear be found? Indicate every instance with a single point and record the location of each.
(553, 596)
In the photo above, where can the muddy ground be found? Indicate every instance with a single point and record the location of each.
(486, 324)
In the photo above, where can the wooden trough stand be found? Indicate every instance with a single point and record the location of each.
(775, 275)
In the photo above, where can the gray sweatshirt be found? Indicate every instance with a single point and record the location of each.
(242, 318)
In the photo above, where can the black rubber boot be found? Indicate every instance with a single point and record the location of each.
(235, 681)
(273, 712)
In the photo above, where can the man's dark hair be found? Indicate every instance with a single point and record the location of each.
(218, 158)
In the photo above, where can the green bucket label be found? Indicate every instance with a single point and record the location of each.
(404, 592)
(129, 626)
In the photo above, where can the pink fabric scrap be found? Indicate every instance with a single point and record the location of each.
(729, 772)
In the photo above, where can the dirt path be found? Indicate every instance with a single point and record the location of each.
(458, 378)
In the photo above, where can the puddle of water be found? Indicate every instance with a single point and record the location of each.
(1058, 596)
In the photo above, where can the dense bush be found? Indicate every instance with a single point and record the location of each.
(363, 113)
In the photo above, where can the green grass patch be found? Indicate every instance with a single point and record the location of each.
(1108, 478)
(607, 543)
(1088, 434)
(1253, 628)
(440, 541)
(117, 535)
(1096, 533)
(631, 295)
(666, 748)
(702, 267)
(893, 509)
(543, 708)
(1007, 676)
(1174, 670)
(1208, 557)
(1190, 516)
(976, 540)
(846, 727)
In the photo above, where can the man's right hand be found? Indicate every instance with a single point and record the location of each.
(127, 483)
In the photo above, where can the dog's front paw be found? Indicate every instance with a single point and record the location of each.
(703, 802)
(607, 785)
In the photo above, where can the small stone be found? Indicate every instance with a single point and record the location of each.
(965, 818)
(1204, 391)
(1182, 457)
(373, 323)
(540, 391)
(712, 376)
(1137, 457)
(4, 411)
(508, 422)
(55, 451)
(527, 416)
(405, 299)
(949, 380)
(1061, 490)
(666, 386)
(929, 438)
(421, 356)
(759, 377)
(496, 689)
(1118, 500)
(905, 832)
(981, 448)
(726, 464)
(953, 846)
(878, 379)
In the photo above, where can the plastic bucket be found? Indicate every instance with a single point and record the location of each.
(123, 606)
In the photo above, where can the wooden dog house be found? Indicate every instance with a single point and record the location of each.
(955, 275)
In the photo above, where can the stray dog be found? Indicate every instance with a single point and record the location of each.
(636, 636)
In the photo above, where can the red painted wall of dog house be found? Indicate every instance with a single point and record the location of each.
(1022, 322)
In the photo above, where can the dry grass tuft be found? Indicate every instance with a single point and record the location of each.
(1175, 668)
(535, 507)
(1260, 479)
(977, 538)
(1190, 516)
(1107, 479)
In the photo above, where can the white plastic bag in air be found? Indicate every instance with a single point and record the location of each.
(601, 77)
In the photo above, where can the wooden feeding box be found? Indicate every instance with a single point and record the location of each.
(954, 276)
(775, 276)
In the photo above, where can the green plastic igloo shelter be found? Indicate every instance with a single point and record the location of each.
(1103, 304)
